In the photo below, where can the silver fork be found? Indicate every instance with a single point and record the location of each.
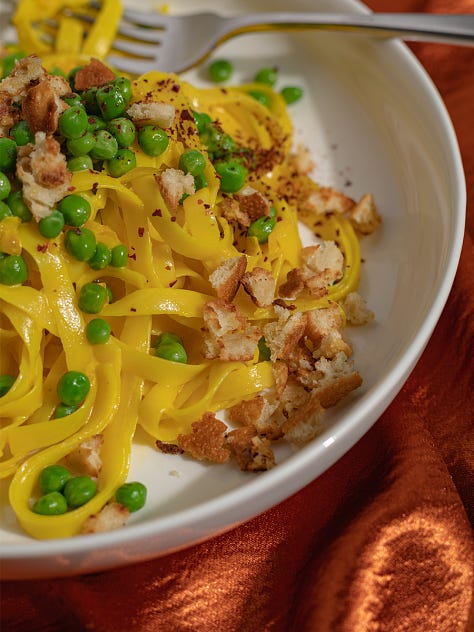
(153, 41)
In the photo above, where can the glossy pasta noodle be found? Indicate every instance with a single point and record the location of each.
(164, 287)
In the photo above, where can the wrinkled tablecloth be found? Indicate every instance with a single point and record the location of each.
(382, 541)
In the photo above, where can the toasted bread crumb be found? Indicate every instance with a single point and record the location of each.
(173, 184)
(260, 286)
(86, 457)
(252, 452)
(111, 516)
(364, 216)
(356, 310)
(207, 441)
(93, 74)
(226, 278)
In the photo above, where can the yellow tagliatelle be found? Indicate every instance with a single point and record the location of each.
(164, 287)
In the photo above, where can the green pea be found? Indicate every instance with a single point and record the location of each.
(111, 101)
(123, 129)
(172, 351)
(232, 175)
(53, 478)
(52, 504)
(89, 98)
(75, 208)
(98, 331)
(131, 495)
(119, 256)
(18, 206)
(6, 382)
(291, 94)
(21, 133)
(123, 162)
(73, 122)
(8, 153)
(110, 296)
(79, 490)
(82, 145)
(80, 163)
(261, 97)
(105, 146)
(101, 257)
(13, 270)
(168, 337)
(7, 63)
(202, 120)
(5, 211)
(5, 186)
(261, 228)
(200, 181)
(152, 140)
(268, 76)
(264, 352)
(80, 243)
(218, 143)
(73, 99)
(192, 161)
(72, 76)
(95, 123)
(220, 70)
(73, 387)
(51, 225)
(125, 86)
(92, 298)
(63, 410)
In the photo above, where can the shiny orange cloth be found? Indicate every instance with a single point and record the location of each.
(382, 541)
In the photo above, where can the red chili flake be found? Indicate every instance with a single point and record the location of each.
(173, 218)
(95, 186)
(168, 267)
(71, 188)
(171, 284)
(141, 231)
(133, 309)
(200, 201)
(157, 212)
(186, 115)
(42, 247)
(207, 206)
(175, 87)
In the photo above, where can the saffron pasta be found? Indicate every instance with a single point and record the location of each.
(284, 353)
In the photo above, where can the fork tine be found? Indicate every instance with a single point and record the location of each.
(155, 20)
(141, 34)
(135, 48)
(132, 65)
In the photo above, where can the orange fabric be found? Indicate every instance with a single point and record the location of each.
(381, 542)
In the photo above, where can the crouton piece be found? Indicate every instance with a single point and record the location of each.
(304, 423)
(356, 310)
(252, 452)
(236, 346)
(173, 185)
(253, 203)
(207, 441)
(323, 257)
(301, 159)
(257, 413)
(232, 212)
(364, 216)
(42, 168)
(294, 395)
(40, 110)
(26, 73)
(294, 284)
(283, 335)
(323, 328)
(326, 200)
(300, 358)
(222, 317)
(168, 448)
(226, 278)
(260, 285)
(152, 113)
(333, 391)
(93, 74)
(111, 516)
(280, 375)
(86, 457)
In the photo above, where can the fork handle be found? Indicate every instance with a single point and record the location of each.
(447, 28)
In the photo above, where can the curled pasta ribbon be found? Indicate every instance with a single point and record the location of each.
(164, 287)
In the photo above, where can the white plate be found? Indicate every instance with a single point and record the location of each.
(374, 123)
